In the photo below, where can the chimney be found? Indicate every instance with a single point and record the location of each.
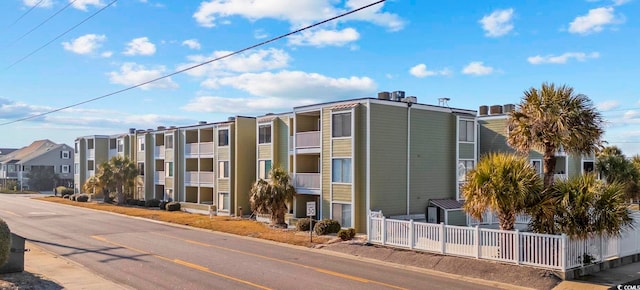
(483, 110)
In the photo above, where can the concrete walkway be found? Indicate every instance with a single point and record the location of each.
(607, 279)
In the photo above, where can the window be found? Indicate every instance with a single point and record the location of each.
(76, 147)
(342, 213)
(341, 170)
(76, 167)
(587, 166)
(264, 168)
(90, 165)
(537, 165)
(223, 169)
(168, 170)
(140, 143)
(341, 125)
(120, 145)
(264, 134)
(168, 141)
(223, 137)
(464, 166)
(65, 168)
(223, 201)
(65, 154)
(112, 143)
(141, 168)
(465, 131)
(90, 144)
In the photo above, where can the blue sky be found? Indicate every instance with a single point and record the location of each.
(473, 52)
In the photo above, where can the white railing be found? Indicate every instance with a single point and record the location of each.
(91, 153)
(158, 152)
(158, 177)
(206, 148)
(307, 180)
(206, 177)
(191, 149)
(308, 139)
(556, 252)
(191, 177)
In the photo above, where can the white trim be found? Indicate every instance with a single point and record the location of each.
(295, 160)
(587, 160)
(330, 160)
(409, 159)
(492, 117)
(319, 213)
(541, 173)
(368, 170)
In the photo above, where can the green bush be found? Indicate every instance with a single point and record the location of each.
(152, 203)
(346, 234)
(173, 206)
(131, 201)
(82, 198)
(326, 226)
(163, 204)
(5, 242)
(66, 191)
(141, 203)
(303, 224)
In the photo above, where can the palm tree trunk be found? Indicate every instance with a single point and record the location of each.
(549, 165)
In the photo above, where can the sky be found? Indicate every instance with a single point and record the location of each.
(58, 53)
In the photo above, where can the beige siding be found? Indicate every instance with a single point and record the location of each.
(282, 149)
(223, 185)
(341, 192)
(264, 151)
(168, 182)
(244, 161)
(342, 147)
(326, 162)
(466, 151)
(223, 153)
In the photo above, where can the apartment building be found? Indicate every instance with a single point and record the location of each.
(89, 152)
(494, 131)
(389, 154)
(17, 165)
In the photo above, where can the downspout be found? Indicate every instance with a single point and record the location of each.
(409, 158)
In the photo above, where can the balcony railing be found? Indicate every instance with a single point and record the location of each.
(308, 180)
(206, 148)
(159, 152)
(195, 177)
(191, 149)
(91, 153)
(308, 139)
(158, 177)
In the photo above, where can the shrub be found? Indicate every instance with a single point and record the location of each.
(303, 224)
(152, 203)
(163, 204)
(173, 206)
(5, 242)
(326, 226)
(346, 234)
(132, 201)
(67, 196)
(82, 198)
(141, 203)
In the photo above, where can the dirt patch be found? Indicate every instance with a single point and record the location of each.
(482, 269)
(27, 281)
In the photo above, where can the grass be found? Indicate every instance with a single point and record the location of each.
(231, 225)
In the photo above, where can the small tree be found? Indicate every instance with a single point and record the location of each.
(118, 174)
(271, 196)
(615, 167)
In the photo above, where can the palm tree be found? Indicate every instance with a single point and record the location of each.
(118, 174)
(615, 167)
(553, 118)
(502, 183)
(93, 185)
(271, 196)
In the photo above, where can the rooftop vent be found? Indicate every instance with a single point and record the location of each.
(495, 110)
(132, 130)
(231, 119)
(384, 95)
(508, 108)
(411, 99)
(160, 128)
(397, 96)
(202, 123)
(444, 102)
(483, 110)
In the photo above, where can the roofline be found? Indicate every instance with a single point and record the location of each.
(387, 102)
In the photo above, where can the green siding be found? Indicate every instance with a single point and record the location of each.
(457, 218)
(388, 159)
(341, 147)
(493, 136)
(466, 151)
(244, 162)
(359, 204)
(341, 192)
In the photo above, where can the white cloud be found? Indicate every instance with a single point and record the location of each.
(293, 84)
(620, 2)
(260, 34)
(498, 23)
(44, 4)
(132, 74)
(107, 54)
(477, 68)
(630, 115)
(563, 58)
(298, 12)
(252, 105)
(607, 105)
(324, 37)
(192, 43)
(10, 109)
(83, 4)
(259, 60)
(421, 71)
(594, 21)
(140, 46)
(86, 44)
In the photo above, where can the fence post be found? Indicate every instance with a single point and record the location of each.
(411, 234)
(563, 252)
(477, 241)
(442, 239)
(516, 247)
(384, 231)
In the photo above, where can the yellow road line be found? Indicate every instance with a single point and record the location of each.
(10, 212)
(183, 263)
(320, 270)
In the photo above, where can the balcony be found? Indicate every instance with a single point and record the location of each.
(91, 154)
(195, 177)
(309, 139)
(158, 153)
(158, 177)
(206, 148)
(307, 180)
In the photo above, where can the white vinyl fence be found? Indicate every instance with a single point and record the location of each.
(556, 252)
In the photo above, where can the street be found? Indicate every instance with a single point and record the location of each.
(144, 254)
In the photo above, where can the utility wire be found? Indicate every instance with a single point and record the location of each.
(60, 35)
(25, 14)
(41, 23)
(194, 66)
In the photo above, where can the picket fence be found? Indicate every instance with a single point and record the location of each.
(556, 252)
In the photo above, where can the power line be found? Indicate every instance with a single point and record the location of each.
(41, 23)
(60, 35)
(25, 14)
(195, 66)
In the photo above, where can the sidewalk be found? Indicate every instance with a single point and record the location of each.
(64, 272)
(607, 279)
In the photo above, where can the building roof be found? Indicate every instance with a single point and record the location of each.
(27, 153)
(5, 151)
(447, 203)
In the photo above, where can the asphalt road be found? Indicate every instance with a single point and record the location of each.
(144, 254)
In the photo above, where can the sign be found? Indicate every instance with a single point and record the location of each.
(311, 208)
